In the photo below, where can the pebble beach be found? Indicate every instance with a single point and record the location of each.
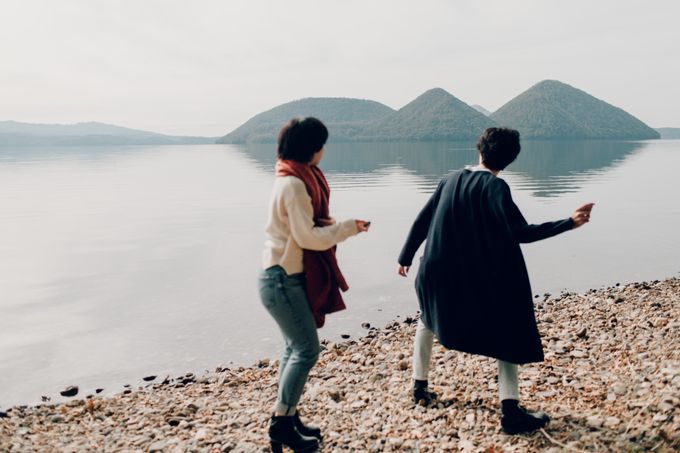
(610, 382)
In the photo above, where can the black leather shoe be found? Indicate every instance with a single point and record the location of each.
(282, 432)
(421, 395)
(306, 430)
(516, 419)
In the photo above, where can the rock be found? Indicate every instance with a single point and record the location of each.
(192, 408)
(594, 421)
(3, 414)
(366, 325)
(582, 333)
(470, 418)
(263, 363)
(403, 365)
(345, 336)
(157, 446)
(57, 419)
(619, 389)
(148, 378)
(611, 422)
(334, 394)
(69, 391)
(98, 390)
(45, 398)
(659, 418)
(173, 421)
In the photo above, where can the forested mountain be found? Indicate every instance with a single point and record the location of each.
(344, 117)
(554, 110)
(91, 133)
(433, 116)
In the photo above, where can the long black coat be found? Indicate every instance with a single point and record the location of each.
(472, 284)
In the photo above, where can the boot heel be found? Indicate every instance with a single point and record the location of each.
(276, 447)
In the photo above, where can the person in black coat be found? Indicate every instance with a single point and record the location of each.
(472, 284)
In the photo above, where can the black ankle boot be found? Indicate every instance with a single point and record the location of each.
(517, 419)
(282, 431)
(306, 430)
(421, 395)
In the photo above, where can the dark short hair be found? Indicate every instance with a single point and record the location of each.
(300, 139)
(499, 147)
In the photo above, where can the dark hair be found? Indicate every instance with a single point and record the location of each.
(499, 147)
(300, 139)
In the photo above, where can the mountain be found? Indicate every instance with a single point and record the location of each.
(481, 109)
(435, 115)
(554, 110)
(671, 133)
(345, 118)
(13, 133)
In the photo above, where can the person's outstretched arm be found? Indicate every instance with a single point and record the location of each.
(525, 232)
(418, 231)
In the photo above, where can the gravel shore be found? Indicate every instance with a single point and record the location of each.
(610, 381)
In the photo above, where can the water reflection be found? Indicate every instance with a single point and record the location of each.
(545, 168)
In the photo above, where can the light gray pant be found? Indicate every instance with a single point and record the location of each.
(285, 299)
(508, 387)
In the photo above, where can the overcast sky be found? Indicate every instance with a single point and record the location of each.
(203, 67)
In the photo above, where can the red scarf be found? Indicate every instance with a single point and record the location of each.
(322, 274)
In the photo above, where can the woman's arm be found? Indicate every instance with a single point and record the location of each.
(521, 230)
(419, 230)
(300, 214)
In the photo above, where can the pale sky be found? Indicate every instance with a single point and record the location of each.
(203, 67)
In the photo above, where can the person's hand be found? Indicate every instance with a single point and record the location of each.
(582, 215)
(362, 225)
(403, 270)
(326, 222)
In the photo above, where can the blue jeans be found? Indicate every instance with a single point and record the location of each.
(284, 298)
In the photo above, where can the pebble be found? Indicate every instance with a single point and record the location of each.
(612, 422)
(157, 446)
(594, 421)
(69, 391)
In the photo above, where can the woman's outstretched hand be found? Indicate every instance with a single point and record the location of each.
(582, 215)
(403, 270)
(362, 225)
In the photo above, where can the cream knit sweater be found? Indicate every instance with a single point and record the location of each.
(290, 227)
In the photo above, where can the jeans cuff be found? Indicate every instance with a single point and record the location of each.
(285, 409)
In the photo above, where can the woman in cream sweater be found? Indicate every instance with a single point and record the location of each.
(301, 281)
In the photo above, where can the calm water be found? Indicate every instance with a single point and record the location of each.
(116, 263)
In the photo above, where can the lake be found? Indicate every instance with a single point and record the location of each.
(122, 262)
